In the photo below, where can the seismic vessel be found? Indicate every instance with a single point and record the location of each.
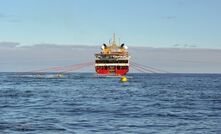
(113, 59)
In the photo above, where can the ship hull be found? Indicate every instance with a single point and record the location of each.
(114, 69)
(110, 72)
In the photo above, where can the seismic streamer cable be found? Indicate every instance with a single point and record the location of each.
(63, 68)
(155, 70)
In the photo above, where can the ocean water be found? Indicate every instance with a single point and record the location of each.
(85, 103)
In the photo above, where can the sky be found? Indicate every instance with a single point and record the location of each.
(180, 36)
(149, 23)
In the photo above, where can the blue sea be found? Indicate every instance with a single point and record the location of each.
(83, 103)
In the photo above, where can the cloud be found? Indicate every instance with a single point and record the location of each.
(9, 44)
(178, 60)
(185, 46)
(9, 18)
(169, 17)
(54, 46)
(2, 15)
(47, 46)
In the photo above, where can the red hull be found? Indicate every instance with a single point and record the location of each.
(116, 72)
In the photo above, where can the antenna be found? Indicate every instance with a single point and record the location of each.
(119, 41)
(114, 41)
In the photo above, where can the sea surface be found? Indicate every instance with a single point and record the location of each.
(85, 103)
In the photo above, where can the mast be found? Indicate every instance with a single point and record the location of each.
(114, 40)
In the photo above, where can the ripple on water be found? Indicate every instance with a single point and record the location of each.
(84, 103)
